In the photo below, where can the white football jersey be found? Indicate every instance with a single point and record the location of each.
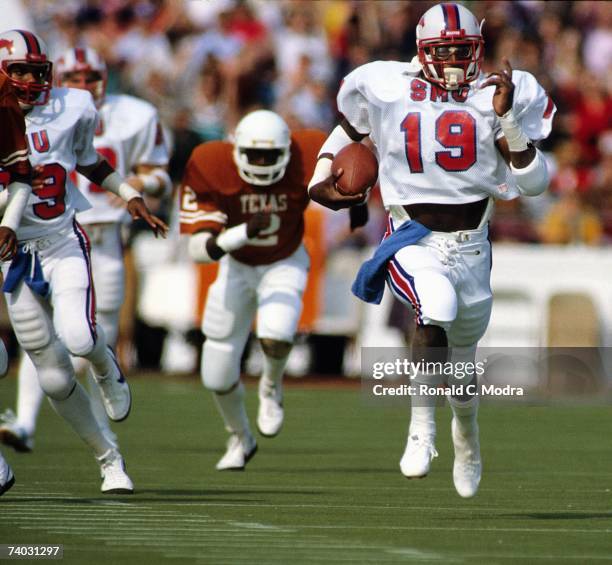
(435, 145)
(60, 135)
(128, 134)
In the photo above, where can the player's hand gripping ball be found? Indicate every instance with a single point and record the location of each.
(360, 169)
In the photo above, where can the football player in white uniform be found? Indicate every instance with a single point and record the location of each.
(129, 136)
(48, 285)
(450, 140)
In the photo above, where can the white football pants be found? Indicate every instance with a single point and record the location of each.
(272, 294)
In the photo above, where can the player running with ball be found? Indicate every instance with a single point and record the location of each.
(450, 141)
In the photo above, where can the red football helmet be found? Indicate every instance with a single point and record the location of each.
(450, 45)
(83, 68)
(28, 52)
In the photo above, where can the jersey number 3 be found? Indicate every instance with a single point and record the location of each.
(455, 130)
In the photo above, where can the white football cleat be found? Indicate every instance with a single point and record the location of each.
(7, 479)
(114, 478)
(467, 468)
(115, 391)
(240, 449)
(419, 452)
(270, 414)
(13, 435)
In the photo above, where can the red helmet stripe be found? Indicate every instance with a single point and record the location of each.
(31, 42)
(451, 17)
(79, 55)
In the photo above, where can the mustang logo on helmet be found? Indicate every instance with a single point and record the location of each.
(7, 44)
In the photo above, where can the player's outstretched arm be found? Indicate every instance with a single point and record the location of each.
(208, 247)
(103, 174)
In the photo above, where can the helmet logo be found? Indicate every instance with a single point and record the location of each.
(7, 44)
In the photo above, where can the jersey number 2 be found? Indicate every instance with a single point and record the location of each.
(455, 130)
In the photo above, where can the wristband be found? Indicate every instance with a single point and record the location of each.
(114, 183)
(233, 238)
(517, 140)
(321, 172)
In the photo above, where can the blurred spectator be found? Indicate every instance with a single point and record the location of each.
(209, 107)
(572, 221)
(301, 38)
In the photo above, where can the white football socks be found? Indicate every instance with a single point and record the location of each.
(273, 370)
(231, 407)
(76, 410)
(29, 395)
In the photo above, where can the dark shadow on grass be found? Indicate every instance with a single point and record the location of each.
(562, 515)
(324, 470)
(230, 492)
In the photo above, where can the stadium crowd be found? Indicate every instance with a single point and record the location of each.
(204, 64)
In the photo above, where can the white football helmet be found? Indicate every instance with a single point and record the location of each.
(83, 60)
(450, 45)
(18, 47)
(262, 143)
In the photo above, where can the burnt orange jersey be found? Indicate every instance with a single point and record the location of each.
(13, 144)
(213, 197)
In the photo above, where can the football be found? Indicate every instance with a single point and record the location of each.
(360, 168)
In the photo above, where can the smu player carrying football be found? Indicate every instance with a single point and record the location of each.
(129, 136)
(48, 285)
(450, 140)
(15, 178)
(243, 204)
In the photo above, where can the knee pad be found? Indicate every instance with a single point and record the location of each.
(470, 324)
(55, 373)
(79, 340)
(278, 315)
(220, 368)
(219, 321)
(437, 298)
(31, 326)
(74, 319)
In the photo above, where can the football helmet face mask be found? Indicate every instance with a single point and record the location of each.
(24, 61)
(83, 68)
(262, 143)
(450, 45)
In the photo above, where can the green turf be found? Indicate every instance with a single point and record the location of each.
(327, 490)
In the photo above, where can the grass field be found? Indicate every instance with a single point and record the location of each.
(327, 490)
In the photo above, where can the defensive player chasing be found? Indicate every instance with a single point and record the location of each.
(15, 179)
(48, 285)
(243, 205)
(129, 136)
(449, 141)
